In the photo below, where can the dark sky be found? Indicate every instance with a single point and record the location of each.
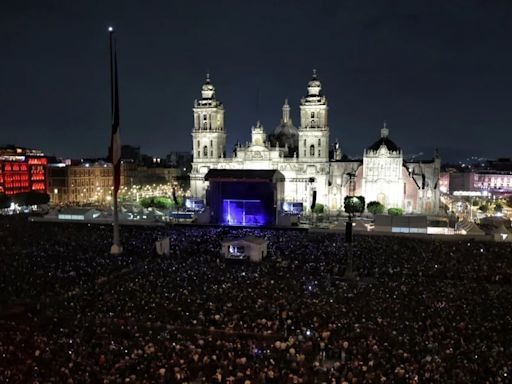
(439, 71)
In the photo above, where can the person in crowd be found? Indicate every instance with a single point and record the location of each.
(420, 310)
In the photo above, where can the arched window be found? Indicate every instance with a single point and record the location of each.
(312, 150)
(319, 142)
(205, 151)
(312, 115)
(313, 123)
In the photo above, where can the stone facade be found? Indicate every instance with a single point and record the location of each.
(307, 161)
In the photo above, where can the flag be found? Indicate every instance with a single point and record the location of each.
(115, 143)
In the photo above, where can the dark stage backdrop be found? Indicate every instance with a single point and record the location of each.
(242, 202)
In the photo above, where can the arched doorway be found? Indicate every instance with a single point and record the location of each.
(381, 198)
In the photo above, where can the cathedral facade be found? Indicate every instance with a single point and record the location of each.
(314, 170)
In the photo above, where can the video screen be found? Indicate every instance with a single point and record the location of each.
(293, 207)
(237, 250)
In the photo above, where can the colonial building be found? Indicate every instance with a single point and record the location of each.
(314, 171)
(80, 183)
(86, 182)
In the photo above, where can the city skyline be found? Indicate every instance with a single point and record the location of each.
(437, 73)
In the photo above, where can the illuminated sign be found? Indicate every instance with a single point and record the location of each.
(12, 158)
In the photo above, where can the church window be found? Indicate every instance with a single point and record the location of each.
(312, 115)
(198, 144)
(313, 123)
(312, 150)
(205, 151)
(211, 143)
(211, 153)
(319, 153)
(205, 117)
(198, 154)
(319, 142)
(304, 142)
(205, 125)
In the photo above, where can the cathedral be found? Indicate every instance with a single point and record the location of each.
(314, 171)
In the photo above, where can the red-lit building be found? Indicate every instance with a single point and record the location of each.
(22, 170)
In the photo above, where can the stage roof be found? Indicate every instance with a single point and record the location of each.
(244, 174)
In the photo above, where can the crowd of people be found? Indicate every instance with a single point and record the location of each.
(419, 310)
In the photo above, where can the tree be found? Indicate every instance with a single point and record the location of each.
(162, 202)
(178, 203)
(318, 208)
(38, 198)
(395, 211)
(354, 204)
(145, 202)
(5, 201)
(484, 208)
(375, 208)
(159, 202)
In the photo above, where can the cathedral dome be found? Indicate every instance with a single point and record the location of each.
(384, 141)
(286, 135)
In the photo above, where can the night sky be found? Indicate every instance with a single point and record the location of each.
(439, 72)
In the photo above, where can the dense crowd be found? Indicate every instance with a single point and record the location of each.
(420, 310)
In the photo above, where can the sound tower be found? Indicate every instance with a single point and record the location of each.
(348, 232)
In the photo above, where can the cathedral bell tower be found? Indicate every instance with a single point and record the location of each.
(313, 130)
(208, 135)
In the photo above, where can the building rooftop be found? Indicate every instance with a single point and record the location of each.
(387, 142)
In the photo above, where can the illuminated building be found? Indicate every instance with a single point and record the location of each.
(91, 182)
(80, 183)
(22, 170)
(491, 181)
(314, 171)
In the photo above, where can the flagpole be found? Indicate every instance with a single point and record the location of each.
(116, 247)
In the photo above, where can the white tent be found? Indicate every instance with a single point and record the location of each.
(163, 246)
(469, 228)
(252, 248)
(501, 234)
